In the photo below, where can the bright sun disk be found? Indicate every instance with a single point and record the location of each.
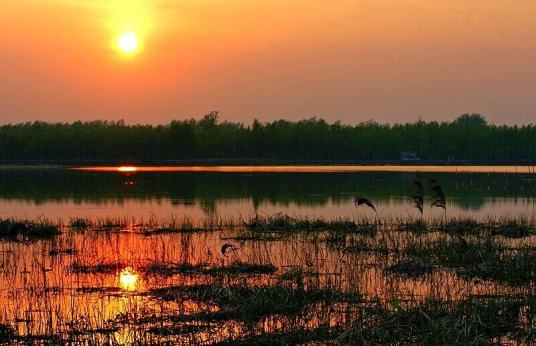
(128, 279)
(128, 42)
(127, 169)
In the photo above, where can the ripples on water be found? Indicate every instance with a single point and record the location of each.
(43, 294)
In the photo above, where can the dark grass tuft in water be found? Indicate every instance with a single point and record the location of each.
(11, 229)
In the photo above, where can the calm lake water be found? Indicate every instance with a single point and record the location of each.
(122, 286)
(244, 191)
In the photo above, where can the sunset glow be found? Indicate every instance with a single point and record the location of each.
(155, 61)
(268, 171)
(126, 169)
(128, 279)
(128, 42)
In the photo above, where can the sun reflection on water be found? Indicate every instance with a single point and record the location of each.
(129, 280)
(312, 169)
(127, 169)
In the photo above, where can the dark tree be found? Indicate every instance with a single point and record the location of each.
(469, 137)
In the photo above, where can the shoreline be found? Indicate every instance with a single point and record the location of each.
(256, 163)
(280, 168)
(310, 169)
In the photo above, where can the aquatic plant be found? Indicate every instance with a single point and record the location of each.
(413, 225)
(329, 282)
(235, 268)
(25, 230)
(281, 223)
(7, 333)
(57, 252)
(462, 226)
(100, 267)
(438, 197)
(79, 223)
(485, 259)
(411, 267)
(514, 228)
(250, 303)
(417, 194)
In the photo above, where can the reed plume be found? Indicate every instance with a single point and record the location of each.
(417, 194)
(438, 197)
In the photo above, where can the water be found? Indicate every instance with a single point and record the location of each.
(236, 191)
(41, 295)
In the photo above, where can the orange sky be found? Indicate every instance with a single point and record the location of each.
(352, 60)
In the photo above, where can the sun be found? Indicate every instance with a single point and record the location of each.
(127, 169)
(128, 42)
(129, 280)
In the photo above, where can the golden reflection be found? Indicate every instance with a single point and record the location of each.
(312, 169)
(356, 273)
(129, 279)
(127, 169)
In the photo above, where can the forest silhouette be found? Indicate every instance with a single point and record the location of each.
(469, 137)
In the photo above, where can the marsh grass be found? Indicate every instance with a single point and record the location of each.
(100, 290)
(235, 268)
(414, 225)
(462, 226)
(275, 227)
(79, 223)
(110, 223)
(185, 224)
(470, 322)
(24, 230)
(514, 228)
(59, 252)
(286, 224)
(7, 333)
(416, 194)
(485, 259)
(251, 303)
(297, 336)
(100, 267)
(275, 293)
(281, 226)
(473, 321)
(164, 269)
(411, 268)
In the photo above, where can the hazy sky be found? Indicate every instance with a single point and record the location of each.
(348, 60)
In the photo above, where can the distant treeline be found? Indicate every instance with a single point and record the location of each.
(469, 137)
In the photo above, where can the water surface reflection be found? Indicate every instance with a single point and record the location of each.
(66, 193)
(119, 285)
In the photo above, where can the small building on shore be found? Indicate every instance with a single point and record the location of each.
(409, 156)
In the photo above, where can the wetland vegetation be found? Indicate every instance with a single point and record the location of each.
(401, 223)
(287, 280)
(441, 272)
